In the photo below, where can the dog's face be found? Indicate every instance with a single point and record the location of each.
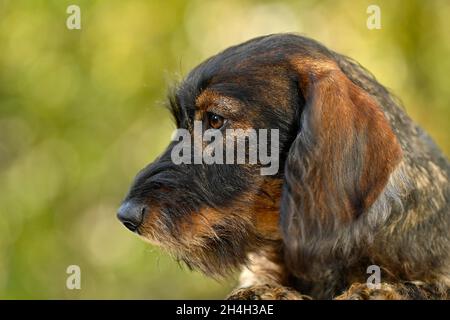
(211, 215)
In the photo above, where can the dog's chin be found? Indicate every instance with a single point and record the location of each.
(216, 257)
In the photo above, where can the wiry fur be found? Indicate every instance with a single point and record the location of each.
(359, 184)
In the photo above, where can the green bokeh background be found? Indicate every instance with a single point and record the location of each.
(82, 110)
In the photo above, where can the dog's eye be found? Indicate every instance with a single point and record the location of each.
(215, 121)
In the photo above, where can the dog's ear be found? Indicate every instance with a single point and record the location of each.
(339, 162)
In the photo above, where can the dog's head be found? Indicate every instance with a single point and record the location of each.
(334, 153)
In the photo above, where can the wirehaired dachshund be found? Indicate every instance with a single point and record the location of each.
(359, 183)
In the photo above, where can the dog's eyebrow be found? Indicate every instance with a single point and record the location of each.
(182, 104)
(214, 101)
(175, 109)
(182, 98)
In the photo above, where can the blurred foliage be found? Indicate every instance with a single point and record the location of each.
(81, 111)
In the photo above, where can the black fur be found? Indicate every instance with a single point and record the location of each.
(395, 214)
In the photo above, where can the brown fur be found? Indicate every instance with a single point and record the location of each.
(359, 183)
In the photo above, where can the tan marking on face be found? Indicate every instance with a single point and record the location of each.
(211, 101)
(200, 225)
(153, 230)
(227, 107)
(257, 211)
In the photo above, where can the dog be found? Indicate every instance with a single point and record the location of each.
(359, 183)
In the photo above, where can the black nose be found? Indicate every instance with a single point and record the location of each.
(131, 214)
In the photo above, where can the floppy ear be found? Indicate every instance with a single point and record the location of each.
(338, 164)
